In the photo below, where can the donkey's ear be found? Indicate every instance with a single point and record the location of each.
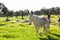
(28, 13)
(31, 12)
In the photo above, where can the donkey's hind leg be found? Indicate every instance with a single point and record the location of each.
(47, 26)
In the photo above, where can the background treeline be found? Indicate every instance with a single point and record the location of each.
(42, 11)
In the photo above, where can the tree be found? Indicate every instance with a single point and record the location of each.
(10, 13)
(26, 12)
(57, 10)
(17, 14)
(21, 13)
(5, 11)
(1, 8)
(37, 12)
(42, 11)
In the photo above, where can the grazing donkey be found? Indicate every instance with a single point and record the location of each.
(39, 22)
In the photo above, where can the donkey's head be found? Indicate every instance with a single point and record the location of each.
(30, 17)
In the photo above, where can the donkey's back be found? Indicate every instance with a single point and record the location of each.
(39, 20)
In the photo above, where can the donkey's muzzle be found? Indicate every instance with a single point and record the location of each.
(29, 23)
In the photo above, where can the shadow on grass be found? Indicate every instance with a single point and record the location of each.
(55, 34)
(21, 25)
(43, 39)
(10, 36)
(49, 37)
(2, 24)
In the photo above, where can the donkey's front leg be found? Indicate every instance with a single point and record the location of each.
(37, 30)
(44, 29)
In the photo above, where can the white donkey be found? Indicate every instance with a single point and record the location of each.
(39, 22)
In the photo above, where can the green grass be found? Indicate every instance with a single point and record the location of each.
(13, 18)
(24, 31)
(17, 31)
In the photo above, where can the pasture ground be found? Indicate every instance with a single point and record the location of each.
(24, 31)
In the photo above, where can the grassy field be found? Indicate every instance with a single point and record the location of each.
(24, 31)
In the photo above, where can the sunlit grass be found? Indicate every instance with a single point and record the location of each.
(24, 31)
